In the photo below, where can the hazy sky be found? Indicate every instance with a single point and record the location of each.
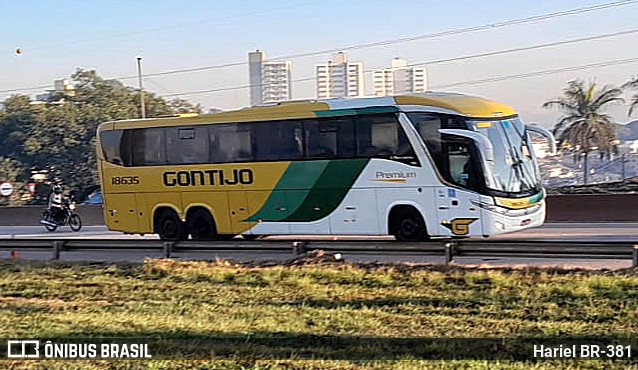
(57, 37)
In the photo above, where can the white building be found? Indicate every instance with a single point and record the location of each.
(399, 79)
(61, 89)
(270, 81)
(339, 78)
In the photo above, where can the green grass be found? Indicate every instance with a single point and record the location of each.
(311, 304)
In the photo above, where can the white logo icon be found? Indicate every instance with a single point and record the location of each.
(23, 349)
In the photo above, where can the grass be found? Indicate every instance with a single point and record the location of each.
(335, 312)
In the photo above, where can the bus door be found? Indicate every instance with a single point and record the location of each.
(458, 214)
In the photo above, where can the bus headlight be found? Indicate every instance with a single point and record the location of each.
(499, 225)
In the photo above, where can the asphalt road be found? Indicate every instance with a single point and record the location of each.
(572, 232)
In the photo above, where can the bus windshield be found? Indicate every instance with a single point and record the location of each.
(512, 173)
(514, 168)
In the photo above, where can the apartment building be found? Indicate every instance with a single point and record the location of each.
(399, 79)
(270, 81)
(339, 78)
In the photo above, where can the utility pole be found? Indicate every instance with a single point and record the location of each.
(139, 77)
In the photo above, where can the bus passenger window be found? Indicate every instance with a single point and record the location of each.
(187, 145)
(381, 136)
(149, 147)
(110, 142)
(230, 143)
(329, 138)
(277, 141)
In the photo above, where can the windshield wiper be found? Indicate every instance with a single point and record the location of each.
(518, 165)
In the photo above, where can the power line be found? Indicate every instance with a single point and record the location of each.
(473, 82)
(538, 73)
(451, 32)
(430, 62)
(176, 25)
(446, 60)
(400, 40)
(527, 48)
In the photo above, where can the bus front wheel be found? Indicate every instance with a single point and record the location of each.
(201, 225)
(170, 227)
(407, 225)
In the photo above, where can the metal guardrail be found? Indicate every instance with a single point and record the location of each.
(448, 249)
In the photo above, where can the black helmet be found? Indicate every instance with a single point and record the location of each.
(57, 189)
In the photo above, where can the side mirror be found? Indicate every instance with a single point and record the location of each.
(546, 134)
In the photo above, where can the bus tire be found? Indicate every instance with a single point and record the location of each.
(407, 225)
(169, 226)
(201, 225)
(250, 236)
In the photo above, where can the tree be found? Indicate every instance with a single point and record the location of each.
(633, 84)
(60, 136)
(178, 105)
(10, 169)
(14, 125)
(585, 127)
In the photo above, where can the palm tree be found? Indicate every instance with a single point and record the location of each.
(585, 127)
(633, 84)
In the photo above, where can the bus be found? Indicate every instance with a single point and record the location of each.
(413, 166)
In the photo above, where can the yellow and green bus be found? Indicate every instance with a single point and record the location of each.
(415, 166)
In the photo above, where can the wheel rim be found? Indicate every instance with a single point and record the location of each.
(409, 228)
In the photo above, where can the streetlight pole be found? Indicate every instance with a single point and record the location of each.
(139, 77)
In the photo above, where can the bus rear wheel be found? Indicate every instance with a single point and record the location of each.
(170, 227)
(202, 226)
(407, 225)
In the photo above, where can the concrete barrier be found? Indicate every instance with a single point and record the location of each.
(30, 215)
(592, 208)
(560, 208)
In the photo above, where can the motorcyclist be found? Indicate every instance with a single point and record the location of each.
(57, 204)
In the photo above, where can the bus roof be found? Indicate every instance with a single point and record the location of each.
(464, 105)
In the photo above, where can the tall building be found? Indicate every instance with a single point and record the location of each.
(339, 78)
(270, 81)
(399, 79)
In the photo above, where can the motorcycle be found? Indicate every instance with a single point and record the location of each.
(71, 218)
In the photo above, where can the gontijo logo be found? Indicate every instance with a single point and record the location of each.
(208, 177)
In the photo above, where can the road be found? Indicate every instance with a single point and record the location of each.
(627, 232)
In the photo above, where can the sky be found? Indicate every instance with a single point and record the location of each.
(58, 37)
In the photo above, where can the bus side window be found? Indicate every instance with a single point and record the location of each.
(149, 147)
(187, 145)
(461, 170)
(230, 143)
(110, 141)
(382, 136)
(277, 141)
(329, 138)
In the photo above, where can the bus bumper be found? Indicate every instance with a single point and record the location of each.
(495, 223)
